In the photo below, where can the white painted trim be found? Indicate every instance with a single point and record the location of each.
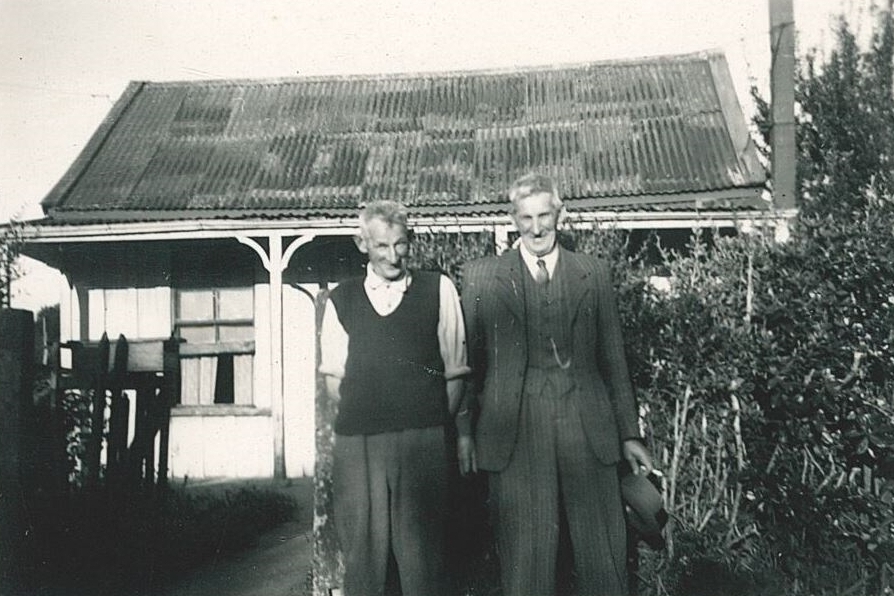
(253, 244)
(501, 237)
(275, 261)
(294, 246)
(208, 229)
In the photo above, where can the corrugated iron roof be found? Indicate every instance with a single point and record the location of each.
(437, 142)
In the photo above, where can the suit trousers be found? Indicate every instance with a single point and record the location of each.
(553, 467)
(390, 492)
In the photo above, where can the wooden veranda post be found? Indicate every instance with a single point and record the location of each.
(275, 261)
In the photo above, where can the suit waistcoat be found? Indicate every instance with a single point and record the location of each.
(546, 320)
(394, 373)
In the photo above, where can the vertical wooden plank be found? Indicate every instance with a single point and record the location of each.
(242, 379)
(58, 442)
(154, 306)
(122, 312)
(93, 312)
(149, 438)
(68, 316)
(299, 354)
(169, 395)
(189, 382)
(219, 441)
(131, 396)
(117, 445)
(135, 457)
(252, 434)
(262, 365)
(186, 447)
(189, 389)
(207, 375)
(83, 313)
(99, 364)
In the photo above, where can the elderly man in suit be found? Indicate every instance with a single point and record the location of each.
(393, 354)
(553, 411)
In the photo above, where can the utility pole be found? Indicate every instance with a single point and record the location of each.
(782, 100)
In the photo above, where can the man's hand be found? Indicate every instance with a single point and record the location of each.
(637, 456)
(465, 451)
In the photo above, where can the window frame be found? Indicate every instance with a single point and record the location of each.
(216, 322)
(207, 396)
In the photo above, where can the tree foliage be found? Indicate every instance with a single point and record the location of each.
(10, 246)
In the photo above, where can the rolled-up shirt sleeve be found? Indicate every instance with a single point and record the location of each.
(333, 343)
(451, 331)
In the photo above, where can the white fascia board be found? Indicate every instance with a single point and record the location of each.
(209, 229)
(183, 230)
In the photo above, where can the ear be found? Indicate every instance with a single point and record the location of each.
(360, 241)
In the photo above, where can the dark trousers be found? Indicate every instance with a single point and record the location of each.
(552, 466)
(389, 492)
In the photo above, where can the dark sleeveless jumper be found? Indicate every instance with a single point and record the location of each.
(394, 374)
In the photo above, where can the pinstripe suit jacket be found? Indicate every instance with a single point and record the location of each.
(494, 309)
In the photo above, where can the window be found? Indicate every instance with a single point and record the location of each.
(215, 316)
(217, 358)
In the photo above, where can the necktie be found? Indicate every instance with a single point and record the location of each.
(542, 275)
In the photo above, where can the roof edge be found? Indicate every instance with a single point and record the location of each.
(96, 141)
(706, 54)
(734, 117)
(621, 201)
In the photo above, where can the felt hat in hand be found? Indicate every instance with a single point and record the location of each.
(644, 508)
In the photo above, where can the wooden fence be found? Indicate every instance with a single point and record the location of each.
(98, 415)
(139, 380)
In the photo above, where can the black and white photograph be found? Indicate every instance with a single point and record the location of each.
(464, 298)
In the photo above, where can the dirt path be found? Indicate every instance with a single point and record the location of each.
(279, 566)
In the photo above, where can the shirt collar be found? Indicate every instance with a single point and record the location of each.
(550, 259)
(375, 282)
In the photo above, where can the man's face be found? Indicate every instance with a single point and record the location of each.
(536, 219)
(387, 246)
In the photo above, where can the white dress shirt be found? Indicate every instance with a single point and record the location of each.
(385, 296)
(549, 259)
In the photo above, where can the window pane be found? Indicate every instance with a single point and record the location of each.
(223, 383)
(236, 333)
(198, 335)
(196, 305)
(236, 303)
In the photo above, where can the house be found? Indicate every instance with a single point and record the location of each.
(220, 209)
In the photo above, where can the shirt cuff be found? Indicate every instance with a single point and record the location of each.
(456, 372)
(332, 371)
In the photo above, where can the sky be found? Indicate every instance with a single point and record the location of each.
(63, 63)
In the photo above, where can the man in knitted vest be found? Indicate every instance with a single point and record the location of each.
(393, 355)
(554, 408)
